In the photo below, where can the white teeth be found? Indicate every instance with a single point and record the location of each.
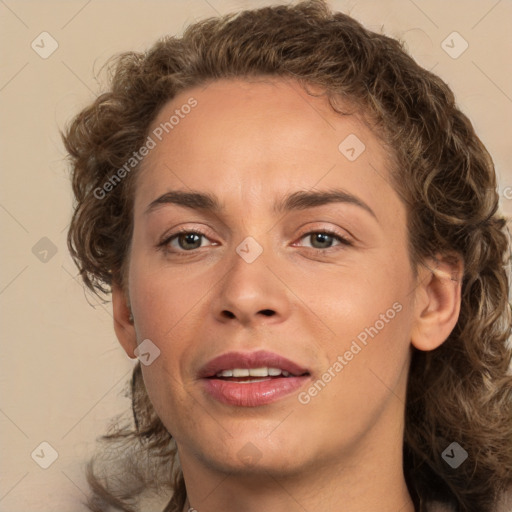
(241, 372)
(258, 372)
(253, 372)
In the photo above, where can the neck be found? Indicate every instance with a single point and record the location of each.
(370, 478)
(276, 496)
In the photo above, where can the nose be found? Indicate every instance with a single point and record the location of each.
(251, 293)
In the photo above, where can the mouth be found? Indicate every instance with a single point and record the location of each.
(252, 379)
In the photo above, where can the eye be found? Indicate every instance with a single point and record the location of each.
(183, 241)
(187, 240)
(324, 239)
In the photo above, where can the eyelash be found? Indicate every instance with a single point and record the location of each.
(164, 244)
(341, 239)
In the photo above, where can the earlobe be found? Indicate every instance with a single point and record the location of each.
(123, 321)
(437, 301)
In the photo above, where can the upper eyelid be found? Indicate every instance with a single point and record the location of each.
(167, 239)
(341, 238)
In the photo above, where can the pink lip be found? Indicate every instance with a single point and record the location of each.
(252, 394)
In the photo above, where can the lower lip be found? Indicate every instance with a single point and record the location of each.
(253, 394)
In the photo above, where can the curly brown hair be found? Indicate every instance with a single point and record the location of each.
(462, 390)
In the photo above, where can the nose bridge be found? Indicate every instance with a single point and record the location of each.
(250, 290)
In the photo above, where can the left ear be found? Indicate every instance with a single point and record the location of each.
(437, 301)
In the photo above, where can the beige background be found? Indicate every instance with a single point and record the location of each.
(62, 371)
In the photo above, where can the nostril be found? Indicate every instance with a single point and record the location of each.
(266, 312)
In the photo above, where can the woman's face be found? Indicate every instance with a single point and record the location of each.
(301, 267)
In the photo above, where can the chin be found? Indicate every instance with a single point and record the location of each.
(256, 453)
(251, 461)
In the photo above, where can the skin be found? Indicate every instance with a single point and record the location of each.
(250, 143)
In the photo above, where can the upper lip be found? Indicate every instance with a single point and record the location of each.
(258, 359)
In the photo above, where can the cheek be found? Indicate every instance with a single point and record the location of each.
(164, 303)
(163, 297)
(351, 301)
(171, 404)
(166, 312)
(163, 314)
(365, 376)
(369, 314)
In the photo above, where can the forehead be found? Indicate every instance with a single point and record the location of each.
(245, 138)
(273, 112)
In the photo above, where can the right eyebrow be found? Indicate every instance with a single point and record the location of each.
(194, 200)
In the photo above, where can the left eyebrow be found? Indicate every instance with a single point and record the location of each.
(299, 200)
(302, 200)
